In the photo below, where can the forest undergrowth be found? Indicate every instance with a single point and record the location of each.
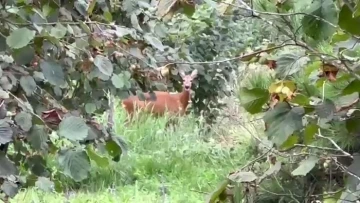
(178, 165)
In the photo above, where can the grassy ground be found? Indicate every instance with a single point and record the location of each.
(177, 162)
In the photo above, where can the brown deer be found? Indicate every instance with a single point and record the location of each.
(173, 103)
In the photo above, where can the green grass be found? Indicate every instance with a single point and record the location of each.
(185, 162)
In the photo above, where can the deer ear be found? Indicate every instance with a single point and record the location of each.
(194, 73)
(182, 74)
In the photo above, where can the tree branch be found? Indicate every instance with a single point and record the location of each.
(232, 59)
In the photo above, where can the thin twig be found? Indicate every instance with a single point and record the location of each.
(318, 147)
(27, 110)
(299, 43)
(319, 130)
(255, 160)
(256, 13)
(231, 59)
(334, 143)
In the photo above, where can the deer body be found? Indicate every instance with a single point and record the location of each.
(173, 103)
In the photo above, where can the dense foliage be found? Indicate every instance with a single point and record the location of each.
(62, 62)
(310, 109)
(209, 40)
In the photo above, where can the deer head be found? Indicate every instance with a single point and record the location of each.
(187, 79)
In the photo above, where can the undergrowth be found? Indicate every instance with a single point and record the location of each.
(178, 164)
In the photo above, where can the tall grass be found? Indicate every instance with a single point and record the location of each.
(163, 165)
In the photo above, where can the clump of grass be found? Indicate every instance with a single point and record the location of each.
(177, 164)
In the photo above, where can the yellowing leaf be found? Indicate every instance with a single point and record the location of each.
(278, 86)
(284, 89)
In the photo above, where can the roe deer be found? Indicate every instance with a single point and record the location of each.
(173, 103)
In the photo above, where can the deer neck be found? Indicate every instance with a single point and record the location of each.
(184, 98)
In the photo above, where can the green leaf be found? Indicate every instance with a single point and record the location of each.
(7, 167)
(188, 9)
(104, 64)
(283, 121)
(290, 142)
(3, 94)
(243, 177)
(290, 63)
(45, 184)
(211, 3)
(123, 31)
(85, 28)
(3, 43)
(73, 128)
(91, 7)
(305, 166)
(53, 72)
(354, 86)
(301, 100)
(115, 147)
(339, 37)
(346, 100)
(326, 109)
(94, 133)
(354, 168)
(352, 123)
(81, 7)
(135, 22)
(100, 160)
(23, 56)
(117, 81)
(347, 21)
(253, 99)
(59, 31)
(10, 188)
(24, 120)
(316, 28)
(121, 80)
(75, 163)
(5, 83)
(120, 142)
(90, 108)
(108, 17)
(216, 193)
(6, 132)
(357, 10)
(37, 165)
(20, 38)
(59, 186)
(309, 133)
(38, 138)
(348, 196)
(28, 84)
(273, 170)
(164, 6)
(155, 42)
